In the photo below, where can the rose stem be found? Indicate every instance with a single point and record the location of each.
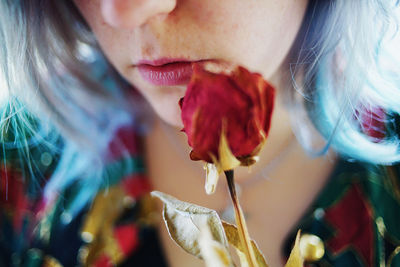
(240, 221)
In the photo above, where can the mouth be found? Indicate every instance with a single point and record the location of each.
(167, 72)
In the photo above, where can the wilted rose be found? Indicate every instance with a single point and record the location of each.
(221, 111)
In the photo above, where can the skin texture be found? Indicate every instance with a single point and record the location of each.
(256, 34)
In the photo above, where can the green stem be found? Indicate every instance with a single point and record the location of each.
(240, 221)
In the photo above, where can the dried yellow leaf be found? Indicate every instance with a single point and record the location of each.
(295, 258)
(183, 221)
(232, 235)
(214, 253)
(212, 176)
(227, 161)
(242, 258)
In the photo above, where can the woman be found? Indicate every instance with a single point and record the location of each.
(72, 121)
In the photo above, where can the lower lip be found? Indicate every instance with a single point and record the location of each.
(178, 73)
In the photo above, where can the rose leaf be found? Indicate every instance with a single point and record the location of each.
(295, 258)
(184, 220)
(212, 176)
(227, 161)
(232, 235)
(213, 253)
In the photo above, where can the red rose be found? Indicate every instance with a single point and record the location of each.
(232, 111)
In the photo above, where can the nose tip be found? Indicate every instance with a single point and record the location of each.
(134, 13)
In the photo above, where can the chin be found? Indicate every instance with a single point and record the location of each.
(173, 121)
(169, 113)
(164, 100)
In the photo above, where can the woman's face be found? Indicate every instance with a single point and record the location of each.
(152, 43)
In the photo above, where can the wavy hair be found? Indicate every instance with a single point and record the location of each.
(62, 95)
(339, 68)
(346, 81)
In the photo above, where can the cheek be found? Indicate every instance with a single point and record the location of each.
(277, 31)
(108, 38)
(256, 34)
